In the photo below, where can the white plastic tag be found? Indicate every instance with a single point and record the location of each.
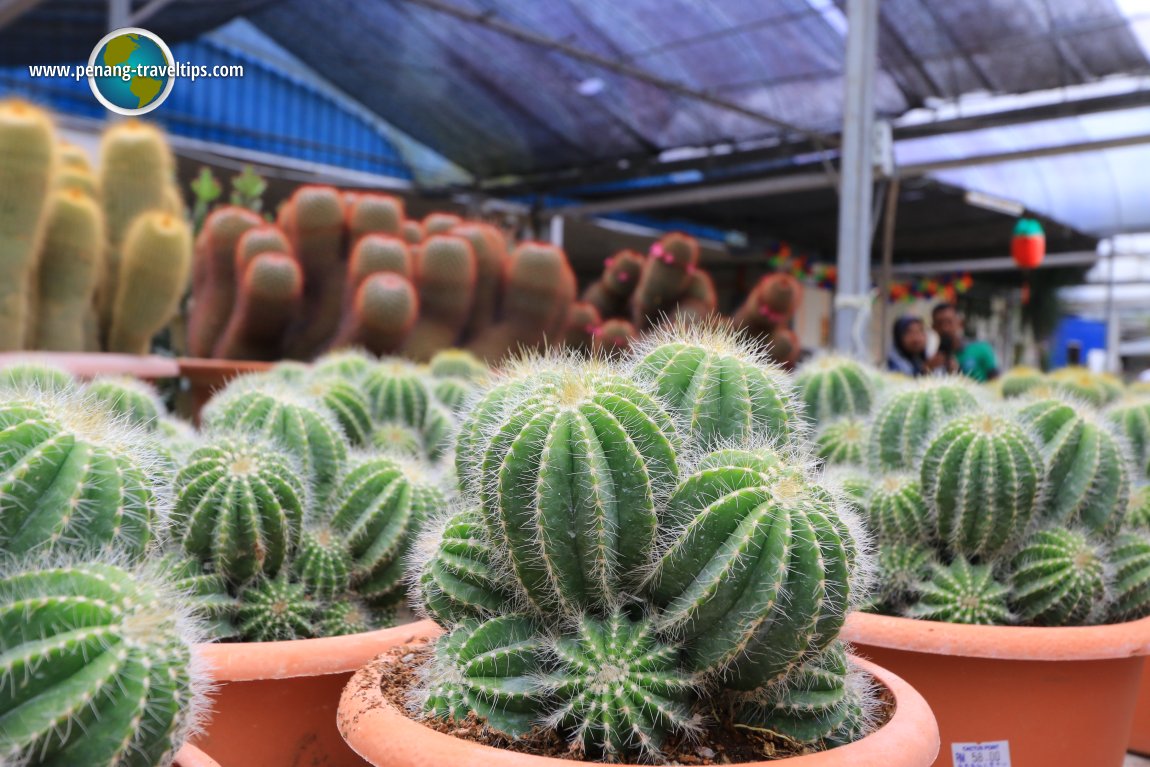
(990, 754)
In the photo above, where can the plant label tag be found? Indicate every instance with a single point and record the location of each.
(990, 754)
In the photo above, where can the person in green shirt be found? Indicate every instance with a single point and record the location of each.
(956, 353)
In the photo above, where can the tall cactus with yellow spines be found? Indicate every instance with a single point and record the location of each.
(831, 387)
(902, 424)
(68, 270)
(27, 166)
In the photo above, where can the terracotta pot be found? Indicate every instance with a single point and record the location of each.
(190, 756)
(204, 376)
(90, 364)
(276, 702)
(1140, 732)
(1058, 696)
(386, 737)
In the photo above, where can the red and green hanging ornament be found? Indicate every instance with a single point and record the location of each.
(1028, 248)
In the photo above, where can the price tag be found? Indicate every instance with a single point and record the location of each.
(991, 754)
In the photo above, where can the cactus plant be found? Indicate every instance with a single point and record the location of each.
(613, 338)
(488, 667)
(458, 578)
(901, 567)
(294, 420)
(618, 688)
(1088, 476)
(214, 276)
(1084, 384)
(452, 393)
(611, 292)
(322, 563)
(1138, 508)
(490, 250)
(896, 511)
(842, 441)
(901, 426)
(206, 593)
(718, 386)
(962, 593)
(439, 223)
(74, 477)
(32, 377)
(1129, 560)
(666, 274)
(68, 270)
(982, 478)
(831, 387)
(398, 440)
(371, 213)
(378, 506)
(380, 316)
(152, 275)
(347, 402)
(99, 666)
(269, 297)
(458, 363)
(27, 167)
(750, 593)
(582, 321)
(378, 253)
(398, 393)
(240, 503)
(582, 450)
(413, 232)
(131, 398)
(343, 617)
(352, 365)
(1132, 420)
(276, 609)
(771, 303)
(1058, 579)
(1019, 380)
(446, 274)
(313, 220)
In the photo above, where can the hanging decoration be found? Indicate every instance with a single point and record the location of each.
(1028, 248)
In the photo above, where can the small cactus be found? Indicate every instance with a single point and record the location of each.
(413, 232)
(831, 387)
(901, 426)
(240, 503)
(1132, 420)
(398, 393)
(352, 365)
(371, 212)
(35, 378)
(458, 363)
(1018, 381)
(445, 271)
(343, 617)
(214, 276)
(322, 563)
(1085, 385)
(613, 338)
(490, 250)
(398, 440)
(489, 668)
(99, 667)
(901, 567)
(459, 580)
(665, 276)
(1138, 509)
(718, 386)
(453, 393)
(1058, 579)
(1129, 560)
(618, 688)
(842, 442)
(380, 316)
(131, 398)
(896, 511)
(275, 610)
(962, 593)
(982, 478)
(207, 593)
(347, 402)
(439, 223)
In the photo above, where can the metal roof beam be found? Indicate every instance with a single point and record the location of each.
(1052, 261)
(12, 10)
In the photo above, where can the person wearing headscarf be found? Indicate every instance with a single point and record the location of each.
(908, 352)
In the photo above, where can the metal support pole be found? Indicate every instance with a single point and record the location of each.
(1113, 331)
(888, 221)
(857, 170)
(119, 14)
(556, 231)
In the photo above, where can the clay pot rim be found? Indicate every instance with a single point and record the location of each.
(91, 364)
(257, 661)
(190, 756)
(372, 727)
(1069, 643)
(211, 370)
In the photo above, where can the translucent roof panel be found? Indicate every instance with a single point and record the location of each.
(1099, 192)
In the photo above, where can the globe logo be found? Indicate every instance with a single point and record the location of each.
(131, 71)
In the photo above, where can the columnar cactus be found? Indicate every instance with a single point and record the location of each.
(322, 563)
(446, 275)
(378, 253)
(68, 270)
(843, 441)
(758, 571)
(135, 400)
(75, 477)
(299, 423)
(1058, 579)
(240, 503)
(1133, 421)
(439, 223)
(487, 667)
(214, 275)
(901, 426)
(831, 386)
(619, 688)
(896, 511)
(962, 593)
(459, 579)
(666, 273)
(490, 250)
(1129, 559)
(720, 388)
(580, 450)
(313, 222)
(269, 297)
(275, 610)
(982, 478)
(380, 315)
(371, 212)
(1088, 474)
(98, 667)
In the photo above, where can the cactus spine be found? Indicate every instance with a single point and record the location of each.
(1129, 558)
(68, 270)
(982, 477)
(962, 593)
(896, 510)
(459, 580)
(842, 441)
(830, 387)
(98, 667)
(322, 563)
(381, 315)
(1133, 421)
(901, 427)
(131, 398)
(1058, 579)
(275, 610)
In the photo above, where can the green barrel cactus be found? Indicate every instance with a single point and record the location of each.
(343, 617)
(982, 478)
(831, 386)
(458, 363)
(1132, 420)
(490, 668)
(275, 610)
(904, 422)
(35, 378)
(296, 421)
(240, 502)
(1138, 508)
(1087, 469)
(135, 400)
(74, 477)
(1129, 560)
(379, 506)
(962, 593)
(842, 442)
(758, 571)
(1092, 388)
(896, 510)
(1018, 381)
(619, 689)
(399, 440)
(819, 701)
(718, 385)
(1058, 579)
(322, 563)
(571, 479)
(900, 568)
(207, 593)
(398, 392)
(346, 402)
(97, 667)
(352, 365)
(453, 393)
(458, 578)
